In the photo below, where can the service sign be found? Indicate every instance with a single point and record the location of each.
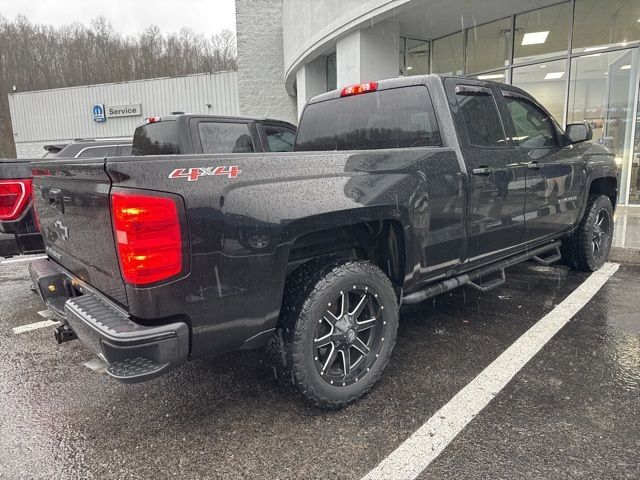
(132, 110)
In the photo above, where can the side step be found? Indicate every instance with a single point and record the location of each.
(470, 278)
(553, 257)
(491, 284)
(134, 370)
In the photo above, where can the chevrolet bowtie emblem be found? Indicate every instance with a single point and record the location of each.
(64, 230)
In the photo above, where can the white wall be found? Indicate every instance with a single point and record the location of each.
(261, 60)
(368, 54)
(311, 80)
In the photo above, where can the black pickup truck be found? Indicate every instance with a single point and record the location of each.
(396, 191)
(175, 134)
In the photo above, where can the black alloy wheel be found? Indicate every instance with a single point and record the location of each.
(336, 331)
(588, 247)
(349, 336)
(601, 234)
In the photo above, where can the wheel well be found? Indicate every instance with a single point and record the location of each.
(380, 241)
(605, 186)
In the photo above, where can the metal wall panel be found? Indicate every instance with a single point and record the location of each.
(66, 113)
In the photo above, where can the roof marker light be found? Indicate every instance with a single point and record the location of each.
(359, 89)
(153, 119)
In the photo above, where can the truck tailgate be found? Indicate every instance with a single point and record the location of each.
(73, 205)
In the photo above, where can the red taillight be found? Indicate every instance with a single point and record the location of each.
(14, 197)
(148, 237)
(358, 89)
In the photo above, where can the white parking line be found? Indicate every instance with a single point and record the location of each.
(34, 326)
(26, 259)
(421, 448)
(96, 364)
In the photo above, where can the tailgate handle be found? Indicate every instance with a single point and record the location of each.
(56, 199)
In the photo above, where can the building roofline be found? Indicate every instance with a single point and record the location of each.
(142, 80)
(344, 25)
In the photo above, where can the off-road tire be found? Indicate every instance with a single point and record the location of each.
(308, 291)
(578, 250)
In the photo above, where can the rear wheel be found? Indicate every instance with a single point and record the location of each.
(336, 331)
(588, 247)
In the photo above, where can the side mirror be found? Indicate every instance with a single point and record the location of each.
(579, 132)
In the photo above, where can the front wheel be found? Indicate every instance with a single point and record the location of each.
(336, 331)
(588, 247)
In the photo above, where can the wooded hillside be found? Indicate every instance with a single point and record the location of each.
(38, 57)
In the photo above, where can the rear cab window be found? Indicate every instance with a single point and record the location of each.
(394, 118)
(159, 138)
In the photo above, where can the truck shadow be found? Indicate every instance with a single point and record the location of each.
(219, 406)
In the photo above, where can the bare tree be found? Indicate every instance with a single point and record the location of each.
(37, 57)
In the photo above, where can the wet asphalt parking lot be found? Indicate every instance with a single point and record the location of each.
(572, 411)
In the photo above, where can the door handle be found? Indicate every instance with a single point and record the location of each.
(482, 171)
(534, 166)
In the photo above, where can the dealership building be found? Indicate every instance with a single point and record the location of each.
(114, 110)
(578, 57)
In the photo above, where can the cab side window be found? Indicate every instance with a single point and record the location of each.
(481, 117)
(533, 127)
(279, 139)
(225, 137)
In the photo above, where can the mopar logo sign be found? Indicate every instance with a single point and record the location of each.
(99, 114)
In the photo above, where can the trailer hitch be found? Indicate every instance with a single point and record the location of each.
(64, 333)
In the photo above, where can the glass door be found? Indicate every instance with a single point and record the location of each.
(602, 92)
(634, 177)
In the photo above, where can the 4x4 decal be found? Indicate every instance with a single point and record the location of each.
(193, 174)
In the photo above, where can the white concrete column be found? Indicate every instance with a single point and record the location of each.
(261, 61)
(311, 80)
(368, 54)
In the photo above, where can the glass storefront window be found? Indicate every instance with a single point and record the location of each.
(488, 46)
(448, 55)
(542, 33)
(546, 82)
(634, 168)
(417, 57)
(401, 56)
(414, 57)
(497, 76)
(602, 92)
(599, 24)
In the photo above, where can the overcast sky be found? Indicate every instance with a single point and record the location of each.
(129, 16)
